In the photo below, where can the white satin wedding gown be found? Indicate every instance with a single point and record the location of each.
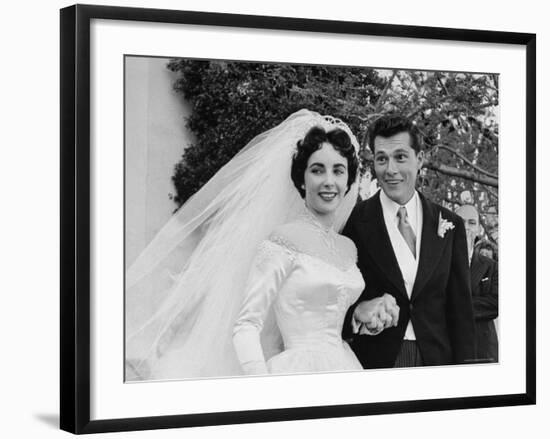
(185, 290)
(309, 297)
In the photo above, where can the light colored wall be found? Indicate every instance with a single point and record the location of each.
(155, 139)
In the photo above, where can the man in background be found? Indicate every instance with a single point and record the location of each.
(484, 282)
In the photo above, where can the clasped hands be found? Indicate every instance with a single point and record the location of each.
(377, 314)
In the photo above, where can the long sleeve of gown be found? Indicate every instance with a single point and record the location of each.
(270, 268)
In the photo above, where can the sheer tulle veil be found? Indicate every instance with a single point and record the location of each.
(184, 291)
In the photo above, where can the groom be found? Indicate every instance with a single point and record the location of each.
(416, 308)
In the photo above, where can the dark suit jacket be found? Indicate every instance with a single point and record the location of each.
(441, 304)
(484, 279)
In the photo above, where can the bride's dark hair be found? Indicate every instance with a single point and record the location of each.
(312, 142)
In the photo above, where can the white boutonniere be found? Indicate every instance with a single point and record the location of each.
(443, 226)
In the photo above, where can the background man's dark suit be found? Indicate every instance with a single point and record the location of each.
(484, 278)
(440, 306)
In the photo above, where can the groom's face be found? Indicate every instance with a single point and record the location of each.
(396, 165)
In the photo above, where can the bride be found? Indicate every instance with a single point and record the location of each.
(305, 270)
(250, 275)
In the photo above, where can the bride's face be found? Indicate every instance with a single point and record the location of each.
(325, 180)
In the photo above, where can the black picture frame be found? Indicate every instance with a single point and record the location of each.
(76, 210)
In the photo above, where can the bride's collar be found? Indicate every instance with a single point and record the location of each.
(309, 217)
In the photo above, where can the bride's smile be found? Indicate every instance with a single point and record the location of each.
(325, 180)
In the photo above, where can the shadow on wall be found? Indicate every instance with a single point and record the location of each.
(51, 420)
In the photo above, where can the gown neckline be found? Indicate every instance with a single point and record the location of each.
(316, 258)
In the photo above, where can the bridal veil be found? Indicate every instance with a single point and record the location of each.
(184, 291)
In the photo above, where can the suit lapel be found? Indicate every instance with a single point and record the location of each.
(477, 269)
(378, 244)
(431, 245)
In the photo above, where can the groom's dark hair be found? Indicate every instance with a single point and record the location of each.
(392, 124)
(312, 142)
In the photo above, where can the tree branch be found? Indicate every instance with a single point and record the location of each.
(379, 104)
(467, 161)
(432, 104)
(493, 193)
(461, 173)
(382, 96)
(485, 105)
(442, 85)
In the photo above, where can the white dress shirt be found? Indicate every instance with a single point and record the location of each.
(408, 264)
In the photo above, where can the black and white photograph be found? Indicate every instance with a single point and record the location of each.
(291, 217)
(275, 219)
(301, 218)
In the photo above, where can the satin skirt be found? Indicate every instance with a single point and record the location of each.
(314, 358)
